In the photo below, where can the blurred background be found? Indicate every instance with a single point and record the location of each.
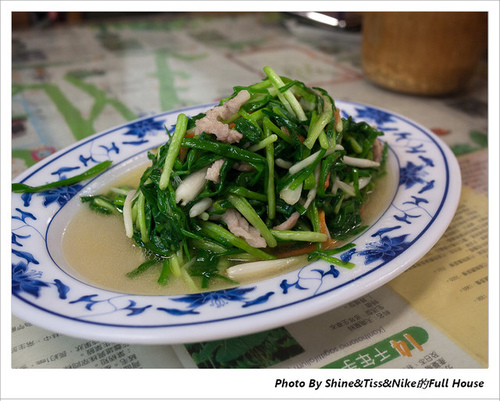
(77, 73)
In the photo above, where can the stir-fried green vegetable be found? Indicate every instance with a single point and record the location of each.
(274, 171)
(272, 177)
(98, 168)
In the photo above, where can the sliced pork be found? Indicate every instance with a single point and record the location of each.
(211, 123)
(213, 172)
(240, 227)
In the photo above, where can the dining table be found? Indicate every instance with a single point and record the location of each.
(78, 74)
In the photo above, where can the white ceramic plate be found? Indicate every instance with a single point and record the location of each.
(426, 192)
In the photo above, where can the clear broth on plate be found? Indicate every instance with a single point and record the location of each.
(96, 247)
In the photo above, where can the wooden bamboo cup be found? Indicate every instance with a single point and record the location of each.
(426, 53)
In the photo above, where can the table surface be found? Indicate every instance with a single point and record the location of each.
(71, 81)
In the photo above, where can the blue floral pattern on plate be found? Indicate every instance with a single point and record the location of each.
(426, 191)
